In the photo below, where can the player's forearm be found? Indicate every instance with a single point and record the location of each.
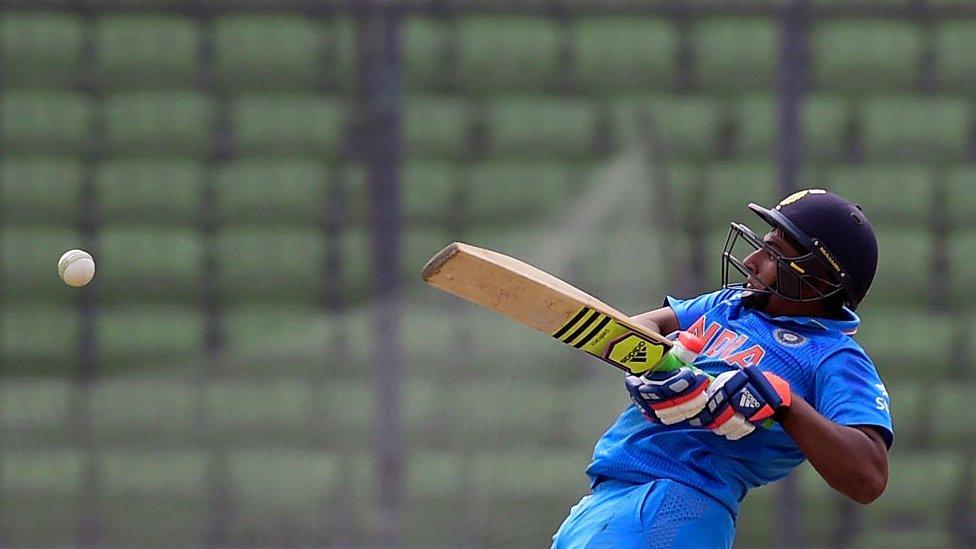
(853, 462)
(662, 321)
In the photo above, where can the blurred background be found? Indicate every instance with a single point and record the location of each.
(257, 362)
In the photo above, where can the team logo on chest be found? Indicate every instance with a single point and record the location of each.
(788, 338)
(727, 345)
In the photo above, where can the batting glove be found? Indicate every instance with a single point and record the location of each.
(669, 397)
(738, 400)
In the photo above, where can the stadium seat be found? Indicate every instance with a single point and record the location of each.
(919, 129)
(858, 56)
(279, 338)
(822, 507)
(901, 352)
(150, 191)
(284, 496)
(891, 194)
(144, 337)
(271, 52)
(35, 411)
(507, 411)
(176, 123)
(541, 128)
(507, 53)
(247, 413)
(274, 191)
(687, 126)
(27, 262)
(431, 192)
(41, 496)
(757, 123)
(426, 419)
(911, 408)
(961, 251)
(505, 191)
(606, 401)
(735, 54)
(146, 51)
(144, 412)
(624, 54)
(147, 263)
(951, 404)
(435, 507)
(954, 70)
(731, 186)
(36, 122)
(265, 261)
(41, 191)
(752, 526)
(437, 127)
(41, 49)
(39, 338)
(905, 264)
(825, 121)
(162, 496)
(289, 125)
(960, 203)
(426, 42)
(888, 538)
(922, 489)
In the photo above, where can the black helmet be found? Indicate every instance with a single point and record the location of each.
(834, 237)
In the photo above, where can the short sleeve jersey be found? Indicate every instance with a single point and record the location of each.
(817, 356)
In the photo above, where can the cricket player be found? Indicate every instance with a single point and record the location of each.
(779, 380)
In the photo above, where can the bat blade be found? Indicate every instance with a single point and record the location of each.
(540, 300)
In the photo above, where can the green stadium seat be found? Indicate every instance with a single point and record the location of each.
(949, 405)
(271, 51)
(960, 203)
(825, 120)
(922, 489)
(146, 51)
(426, 418)
(605, 403)
(891, 194)
(147, 263)
(507, 53)
(263, 261)
(954, 70)
(909, 128)
(273, 412)
(41, 49)
(27, 262)
(150, 191)
(284, 497)
(39, 338)
(686, 126)
(624, 54)
(435, 507)
(752, 526)
(859, 56)
(35, 411)
(144, 412)
(911, 408)
(502, 192)
(138, 336)
(151, 123)
(757, 118)
(887, 538)
(905, 264)
(162, 496)
(272, 191)
(541, 128)
(289, 125)
(430, 191)
(735, 54)
(510, 410)
(731, 186)
(38, 123)
(425, 40)
(41, 191)
(961, 251)
(437, 127)
(822, 509)
(42, 496)
(264, 338)
(901, 352)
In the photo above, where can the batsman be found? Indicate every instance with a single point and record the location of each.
(778, 380)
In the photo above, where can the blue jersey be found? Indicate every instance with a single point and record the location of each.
(817, 356)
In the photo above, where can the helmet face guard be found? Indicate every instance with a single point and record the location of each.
(795, 278)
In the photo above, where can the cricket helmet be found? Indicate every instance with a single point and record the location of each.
(837, 245)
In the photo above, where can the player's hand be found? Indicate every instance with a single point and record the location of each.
(738, 400)
(669, 397)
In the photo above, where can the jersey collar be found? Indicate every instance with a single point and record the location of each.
(847, 325)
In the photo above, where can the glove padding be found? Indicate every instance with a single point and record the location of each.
(669, 397)
(737, 400)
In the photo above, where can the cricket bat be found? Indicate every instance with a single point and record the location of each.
(540, 300)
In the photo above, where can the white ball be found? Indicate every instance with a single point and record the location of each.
(76, 268)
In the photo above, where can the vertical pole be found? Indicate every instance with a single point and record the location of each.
(379, 77)
(791, 87)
